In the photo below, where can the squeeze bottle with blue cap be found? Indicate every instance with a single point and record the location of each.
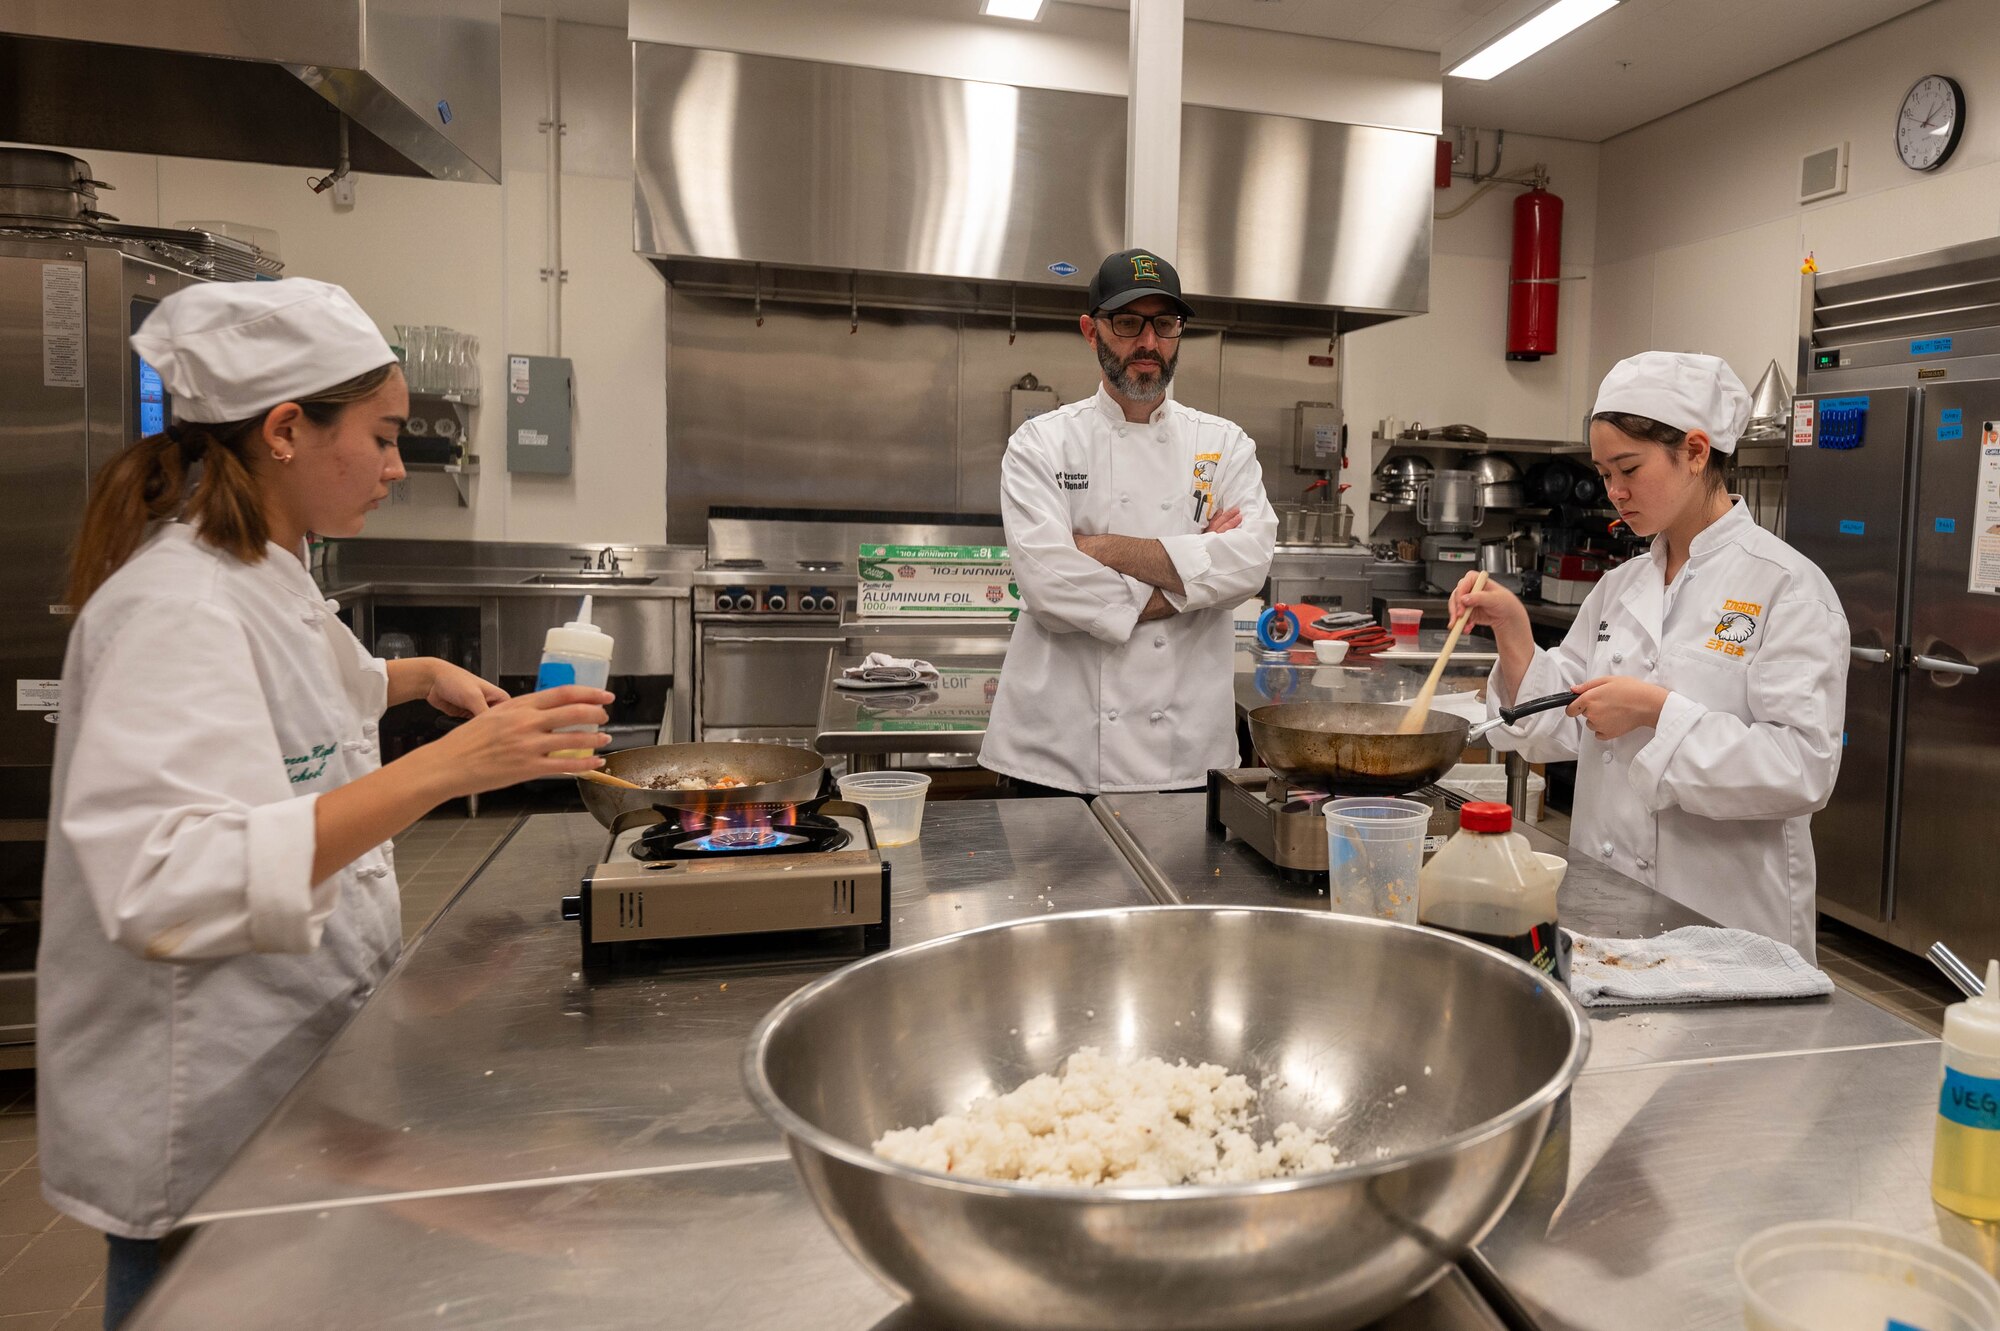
(1965, 1165)
(575, 653)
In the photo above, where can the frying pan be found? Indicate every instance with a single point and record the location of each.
(772, 774)
(1353, 747)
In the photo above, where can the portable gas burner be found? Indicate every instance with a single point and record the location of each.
(1283, 822)
(735, 885)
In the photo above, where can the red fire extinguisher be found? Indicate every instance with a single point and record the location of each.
(1532, 284)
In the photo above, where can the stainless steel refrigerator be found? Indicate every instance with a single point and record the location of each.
(1895, 493)
(72, 394)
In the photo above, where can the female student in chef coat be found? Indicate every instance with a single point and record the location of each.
(219, 895)
(1710, 672)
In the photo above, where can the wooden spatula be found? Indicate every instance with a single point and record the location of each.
(606, 779)
(1420, 710)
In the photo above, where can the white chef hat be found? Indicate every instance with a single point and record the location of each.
(227, 351)
(1681, 389)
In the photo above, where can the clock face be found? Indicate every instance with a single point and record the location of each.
(1929, 123)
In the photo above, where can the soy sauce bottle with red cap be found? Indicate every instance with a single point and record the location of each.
(1486, 884)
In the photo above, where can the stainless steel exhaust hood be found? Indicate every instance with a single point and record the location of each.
(260, 81)
(795, 180)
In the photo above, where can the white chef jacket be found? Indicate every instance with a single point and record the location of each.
(1713, 807)
(190, 969)
(1090, 699)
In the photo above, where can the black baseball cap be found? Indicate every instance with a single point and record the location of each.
(1129, 274)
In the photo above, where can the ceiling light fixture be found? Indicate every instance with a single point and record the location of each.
(1025, 10)
(1510, 49)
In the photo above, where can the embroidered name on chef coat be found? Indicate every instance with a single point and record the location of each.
(309, 766)
(1073, 480)
(1736, 627)
(1205, 467)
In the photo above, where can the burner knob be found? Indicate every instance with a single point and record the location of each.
(572, 908)
(733, 602)
(775, 601)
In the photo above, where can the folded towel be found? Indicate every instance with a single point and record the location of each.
(1461, 703)
(1697, 964)
(882, 668)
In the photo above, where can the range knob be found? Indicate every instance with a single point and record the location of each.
(775, 602)
(826, 603)
(728, 602)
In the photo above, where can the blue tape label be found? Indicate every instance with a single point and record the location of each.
(1946, 526)
(1930, 346)
(1952, 416)
(1849, 527)
(1843, 404)
(1971, 1101)
(554, 675)
(1946, 433)
(1895, 1325)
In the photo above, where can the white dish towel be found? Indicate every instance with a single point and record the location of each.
(882, 668)
(1697, 964)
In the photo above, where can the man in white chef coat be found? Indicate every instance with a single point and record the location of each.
(1136, 527)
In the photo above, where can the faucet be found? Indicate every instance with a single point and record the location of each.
(607, 560)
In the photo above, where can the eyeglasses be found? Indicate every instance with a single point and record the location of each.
(1166, 327)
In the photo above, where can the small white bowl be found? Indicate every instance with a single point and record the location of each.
(1330, 651)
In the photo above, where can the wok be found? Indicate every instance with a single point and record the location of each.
(1353, 747)
(772, 774)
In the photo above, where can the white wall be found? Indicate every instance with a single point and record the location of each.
(1700, 232)
(1451, 365)
(467, 256)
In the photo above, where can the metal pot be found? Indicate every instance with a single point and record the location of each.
(41, 188)
(1497, 556)
(1396, 480)
(1449, 502)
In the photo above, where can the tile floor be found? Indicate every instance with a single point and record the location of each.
(52, 1268)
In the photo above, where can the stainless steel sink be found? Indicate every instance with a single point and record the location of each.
(590, 579)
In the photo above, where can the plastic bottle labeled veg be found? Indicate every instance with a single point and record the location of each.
(1965, 1165)
(575, 653)
(1487, 885)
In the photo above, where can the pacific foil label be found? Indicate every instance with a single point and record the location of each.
(1971, 1101)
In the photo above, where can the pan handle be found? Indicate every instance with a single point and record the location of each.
(1509, 715)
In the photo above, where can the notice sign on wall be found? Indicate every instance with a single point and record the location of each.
(1802, 423)
(1985, 572)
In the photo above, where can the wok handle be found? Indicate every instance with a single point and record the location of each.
(1512, 714)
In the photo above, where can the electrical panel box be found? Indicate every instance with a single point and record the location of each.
(1316, 436)
(539, 401)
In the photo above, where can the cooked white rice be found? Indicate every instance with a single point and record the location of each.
(1105, 1122)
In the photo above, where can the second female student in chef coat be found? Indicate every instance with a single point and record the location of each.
(220, 893)
(1710, 672)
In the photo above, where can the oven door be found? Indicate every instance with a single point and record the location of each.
(761, 678)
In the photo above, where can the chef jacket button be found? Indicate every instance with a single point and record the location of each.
(1617, 657)
(369, 728)
(1122, 498)
(1642, 864)
(1607, 755)
(1607, 848)
(1649, 663)
(1159, 716)
(1121, 432)
(1166, 503)
(1111, 716)
(1160, 641)
(1160, 435)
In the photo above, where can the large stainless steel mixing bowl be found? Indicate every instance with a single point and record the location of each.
(1339, 1012)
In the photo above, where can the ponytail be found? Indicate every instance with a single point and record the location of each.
(149, 482)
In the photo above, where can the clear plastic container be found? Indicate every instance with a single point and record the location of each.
(894, 800)
(1844, 1276)
(1405, 623)
(1965, 1161)
(1486, 884)
(1374, 852)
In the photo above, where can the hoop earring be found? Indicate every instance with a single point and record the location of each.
(283, 458)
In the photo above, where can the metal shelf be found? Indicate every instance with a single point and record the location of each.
(1548, 447)
(458, 471)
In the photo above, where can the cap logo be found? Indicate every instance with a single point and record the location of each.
(1145, 268)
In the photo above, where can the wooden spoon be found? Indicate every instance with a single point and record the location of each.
(1420, 710)
(606, 779)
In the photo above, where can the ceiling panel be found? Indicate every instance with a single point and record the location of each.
(1640, 61)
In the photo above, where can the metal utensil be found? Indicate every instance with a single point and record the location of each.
(1956, 971)
(769, 774)
(1338, 1012)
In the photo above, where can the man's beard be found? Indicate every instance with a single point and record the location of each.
(1119, 373)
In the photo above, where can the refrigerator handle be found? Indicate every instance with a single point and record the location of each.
(1872, 655)
(1942, 666)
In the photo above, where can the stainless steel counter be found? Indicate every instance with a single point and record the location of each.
(673, 584)
(868, 727)
(487, 1058)
(1692, 1127)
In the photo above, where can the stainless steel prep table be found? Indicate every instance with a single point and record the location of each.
(869, 727)
(488, 1059)
(1692, 1126)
